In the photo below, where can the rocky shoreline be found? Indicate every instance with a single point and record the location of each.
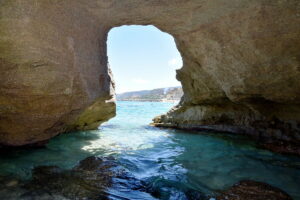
(93, 176)
(270, 133)
(276, 146)
(153, 100)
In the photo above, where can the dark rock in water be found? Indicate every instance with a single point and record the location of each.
(166, 189)
(282, 147)
(93, 178)
(88, 180)
(93, 163)
(97, 178)
(43, 172)
(252, 190)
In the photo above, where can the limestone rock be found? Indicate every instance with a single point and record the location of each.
(241, 64)
(54, 75)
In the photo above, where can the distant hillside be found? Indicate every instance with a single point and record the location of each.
(161, 94)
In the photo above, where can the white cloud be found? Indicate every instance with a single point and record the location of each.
(140, 81)
(175, 63)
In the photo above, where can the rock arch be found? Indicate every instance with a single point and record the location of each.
(240, 74)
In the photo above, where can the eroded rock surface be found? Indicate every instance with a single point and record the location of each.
(54, 73)
(253, 190)
(241, 64)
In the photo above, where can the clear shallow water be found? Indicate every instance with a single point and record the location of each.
(172, 163)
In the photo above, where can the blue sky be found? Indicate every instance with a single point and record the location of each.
(142, 58)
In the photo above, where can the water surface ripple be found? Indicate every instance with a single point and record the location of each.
(172, 164)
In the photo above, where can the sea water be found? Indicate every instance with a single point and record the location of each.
(172, 163)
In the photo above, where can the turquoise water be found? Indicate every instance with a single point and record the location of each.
(172, 163)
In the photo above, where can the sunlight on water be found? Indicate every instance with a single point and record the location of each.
(119, 142)
(172, 163)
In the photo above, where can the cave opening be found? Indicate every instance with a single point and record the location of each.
(144, 60)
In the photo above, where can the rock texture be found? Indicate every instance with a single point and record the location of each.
(241, 64)
(93, 178)
(253, 190)
(54, 73)
(88, 180)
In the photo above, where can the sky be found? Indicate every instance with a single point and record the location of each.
(142, 58)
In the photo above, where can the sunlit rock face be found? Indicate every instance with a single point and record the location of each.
(241, 71)
(54, 73)
(241, 64)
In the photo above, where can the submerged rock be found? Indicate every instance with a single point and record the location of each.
(97, 178)
(88, 180)
(252, 190)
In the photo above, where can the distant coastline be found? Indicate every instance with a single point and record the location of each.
(151, 100)
(170, 94)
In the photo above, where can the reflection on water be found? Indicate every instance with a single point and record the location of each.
(172, 164)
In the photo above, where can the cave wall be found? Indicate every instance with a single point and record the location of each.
(241, 69)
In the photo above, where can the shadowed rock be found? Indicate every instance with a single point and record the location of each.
(252, 190)
(88, 180)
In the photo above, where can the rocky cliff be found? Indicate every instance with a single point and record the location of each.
(160, 94)
(241, 69)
